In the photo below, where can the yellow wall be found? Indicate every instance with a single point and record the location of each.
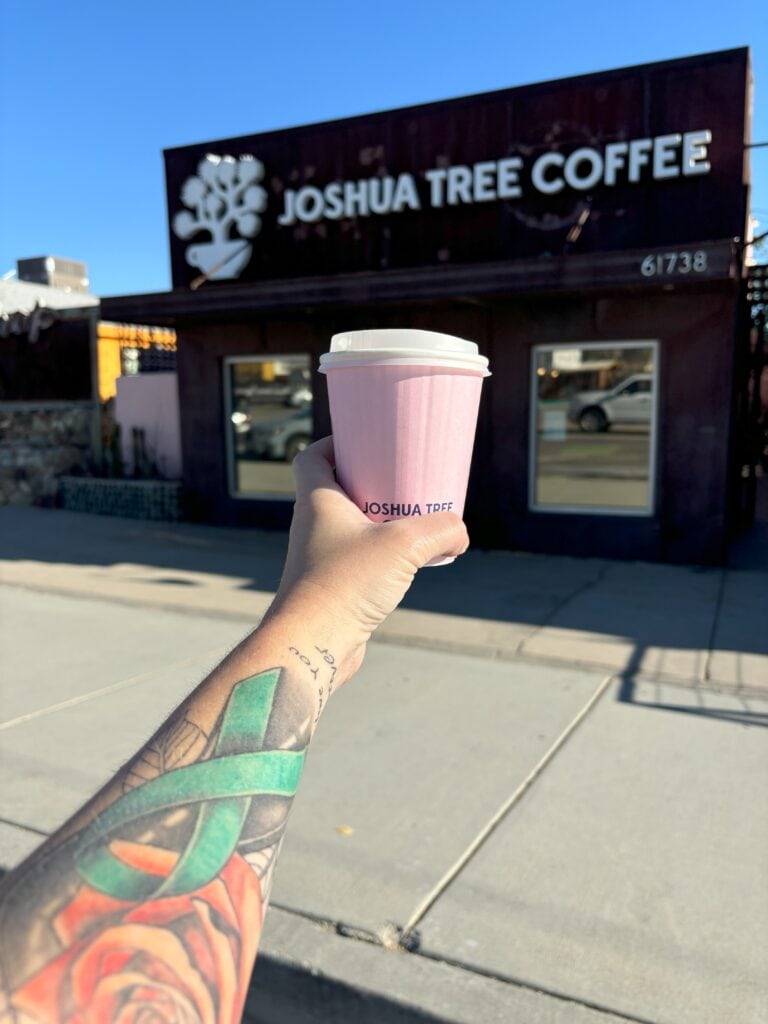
(109, 367)
(113, 338)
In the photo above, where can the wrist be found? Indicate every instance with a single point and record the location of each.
(314, 612)
(309, 639)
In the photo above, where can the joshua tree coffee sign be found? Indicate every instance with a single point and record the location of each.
(641, 157)
(222, 205)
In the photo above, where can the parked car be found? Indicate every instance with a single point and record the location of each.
(630, 401)
(281, 438)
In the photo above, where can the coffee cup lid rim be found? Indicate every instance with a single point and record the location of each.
(394, 338)
(404, 357)
(402, 346)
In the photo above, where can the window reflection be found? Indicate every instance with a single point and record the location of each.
(269, 407)
(594, 419)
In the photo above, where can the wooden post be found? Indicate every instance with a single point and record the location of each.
(96, 440)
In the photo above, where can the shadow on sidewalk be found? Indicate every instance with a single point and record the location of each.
(644, 606)
(743, 715)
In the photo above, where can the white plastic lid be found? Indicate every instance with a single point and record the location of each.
(402, 347)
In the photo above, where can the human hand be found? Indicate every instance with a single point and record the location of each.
(345, 574)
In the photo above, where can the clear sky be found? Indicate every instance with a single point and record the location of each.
(92, 91)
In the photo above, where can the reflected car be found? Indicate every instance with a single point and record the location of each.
(281, 438)
(300, 397)
(629, 402)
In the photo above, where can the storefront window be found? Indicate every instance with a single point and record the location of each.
(268, 403)
(593, 427)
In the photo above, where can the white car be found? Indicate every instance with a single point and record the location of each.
(629, 402)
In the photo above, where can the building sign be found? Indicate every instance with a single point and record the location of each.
(642, 157)
(491, 180)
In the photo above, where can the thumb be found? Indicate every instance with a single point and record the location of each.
(437, 535)
(313, 468)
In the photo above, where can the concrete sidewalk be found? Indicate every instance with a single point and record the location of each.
(610, 716)
(679, 623)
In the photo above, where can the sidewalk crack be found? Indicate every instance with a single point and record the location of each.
(562, 603)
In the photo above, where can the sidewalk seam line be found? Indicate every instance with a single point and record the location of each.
(345, 931)
(25, 828)
(121, 684)
(539, 989)
(457, 867)
(705, 676)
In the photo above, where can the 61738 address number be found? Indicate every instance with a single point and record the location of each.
(667, 264)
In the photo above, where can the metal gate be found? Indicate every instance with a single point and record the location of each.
(750, 452)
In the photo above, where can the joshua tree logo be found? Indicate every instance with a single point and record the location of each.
(223, 195)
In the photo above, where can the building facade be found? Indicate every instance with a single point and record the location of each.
(587, 233)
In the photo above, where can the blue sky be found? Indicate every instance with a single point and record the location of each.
(91, 92)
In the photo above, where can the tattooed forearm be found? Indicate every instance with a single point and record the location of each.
(181, 743)
(153, 907)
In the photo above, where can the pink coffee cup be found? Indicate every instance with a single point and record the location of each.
(404, 411)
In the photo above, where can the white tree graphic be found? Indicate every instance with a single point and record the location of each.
(224, 195)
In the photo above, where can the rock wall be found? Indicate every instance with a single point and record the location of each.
(40, 441)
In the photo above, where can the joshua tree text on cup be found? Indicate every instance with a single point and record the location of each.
(402, 509)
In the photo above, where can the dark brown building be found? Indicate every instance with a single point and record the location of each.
(587, 233)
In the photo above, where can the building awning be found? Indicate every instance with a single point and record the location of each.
(572, 273)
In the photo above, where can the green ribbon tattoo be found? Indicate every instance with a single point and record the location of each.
(222, 787)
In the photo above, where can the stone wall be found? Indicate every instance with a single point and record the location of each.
(39, 441)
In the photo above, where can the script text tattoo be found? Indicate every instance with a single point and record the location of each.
(325, 689)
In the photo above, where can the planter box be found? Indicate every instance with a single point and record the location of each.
(134, 499)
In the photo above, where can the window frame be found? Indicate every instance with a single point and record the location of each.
(649, 510)
(230, 455)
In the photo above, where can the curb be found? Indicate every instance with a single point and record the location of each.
(394, 631)
(308, 973)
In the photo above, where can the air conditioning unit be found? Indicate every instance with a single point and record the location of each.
(69, 275)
